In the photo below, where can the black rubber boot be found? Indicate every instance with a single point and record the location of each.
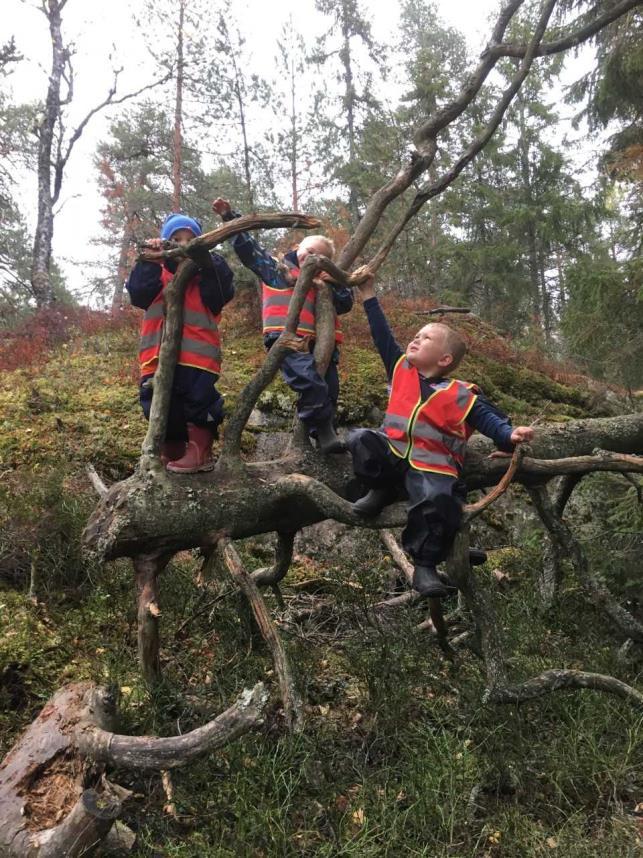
(373, 503)
(477, 556)
(427, 582)
(328, 439)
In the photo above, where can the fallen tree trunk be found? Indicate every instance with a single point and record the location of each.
(54, 798)
(155, 512)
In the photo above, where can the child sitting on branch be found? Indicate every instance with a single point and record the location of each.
(196, 406)
(422, 442)
(316, 396)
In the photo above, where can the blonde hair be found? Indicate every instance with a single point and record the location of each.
(330, 244)
(454, 344)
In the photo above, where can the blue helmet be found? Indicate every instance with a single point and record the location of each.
(175, 221)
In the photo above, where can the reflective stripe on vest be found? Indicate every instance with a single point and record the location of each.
(274, 310)
(200, 339)
(433, 434)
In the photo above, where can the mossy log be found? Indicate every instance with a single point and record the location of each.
(154, 512)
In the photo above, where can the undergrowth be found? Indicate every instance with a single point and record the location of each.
(399, 757)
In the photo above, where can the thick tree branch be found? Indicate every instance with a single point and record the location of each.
(148, 753)
(274, 220)
(173, 296)
(145, 515)
(425, 141)
(564, 490)
(476, 145)
(86, 825)
(435, 605)
(288, 341)
(573, 39)
(271, 575)
(163, 378)
(447, 114)
(98, 485)
(147, 569)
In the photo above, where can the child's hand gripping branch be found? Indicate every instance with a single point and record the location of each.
(421, 445)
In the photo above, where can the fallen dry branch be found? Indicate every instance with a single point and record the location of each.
(98, 485)
(473, 509)
(293, 710)
(271, 575)
(173, 296)
(156, 512)
(148, 753)
(147, 569)
(435, 188)
(209, 240)
(556, 680)
(435, 605)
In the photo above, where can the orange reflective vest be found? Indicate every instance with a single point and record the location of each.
(200, 342)
(275, 310)
(431, 434)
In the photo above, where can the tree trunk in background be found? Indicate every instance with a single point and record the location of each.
(123, 263)
(349, 104)
(294, 151)
(178, 114)
(41, 262)
(530, 226)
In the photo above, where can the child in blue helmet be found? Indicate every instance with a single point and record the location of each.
(196, 406)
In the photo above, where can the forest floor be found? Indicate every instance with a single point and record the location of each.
(398, 756)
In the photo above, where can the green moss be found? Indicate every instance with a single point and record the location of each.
(396, 737)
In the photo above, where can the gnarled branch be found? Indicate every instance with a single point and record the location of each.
(557, 679)
(149, 753)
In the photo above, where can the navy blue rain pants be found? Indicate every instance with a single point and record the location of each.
(316, 396)
(194, 399)
(435, 500)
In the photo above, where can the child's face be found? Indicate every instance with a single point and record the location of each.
(312, 245)
(182, 236)
(427, 350)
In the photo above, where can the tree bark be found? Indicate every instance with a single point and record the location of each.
(155, 513)
(54, 798)
(177, 143)
(43, 236)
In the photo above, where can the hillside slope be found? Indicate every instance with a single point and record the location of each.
(398, 757)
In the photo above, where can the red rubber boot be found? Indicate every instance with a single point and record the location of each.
(171, 450)
(198, 453)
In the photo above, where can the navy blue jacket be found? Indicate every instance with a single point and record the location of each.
(484, 417)
(215, 284)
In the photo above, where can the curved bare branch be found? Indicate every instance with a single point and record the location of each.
(558, 679)
(573, 39)
(148, 753)
(594, 587)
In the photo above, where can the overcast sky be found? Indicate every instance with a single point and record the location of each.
(105, 36)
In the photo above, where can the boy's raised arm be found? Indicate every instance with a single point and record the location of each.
(385, 342)
(250, 253)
